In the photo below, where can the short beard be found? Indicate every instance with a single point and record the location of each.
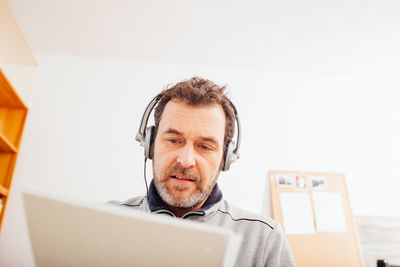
(190, 202)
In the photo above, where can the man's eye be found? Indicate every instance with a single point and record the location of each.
(205, 147)
(173, 141)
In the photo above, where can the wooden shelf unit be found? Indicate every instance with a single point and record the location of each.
(13, 113)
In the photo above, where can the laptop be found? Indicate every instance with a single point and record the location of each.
(65, 232)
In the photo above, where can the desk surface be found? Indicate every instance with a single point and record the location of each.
(379, 238)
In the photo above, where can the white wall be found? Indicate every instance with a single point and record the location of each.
(79, 137)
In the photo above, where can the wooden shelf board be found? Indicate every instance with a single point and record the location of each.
(3, 191)
(6, 145)
(8, 97)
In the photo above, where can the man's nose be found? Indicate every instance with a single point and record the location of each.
(186, 157)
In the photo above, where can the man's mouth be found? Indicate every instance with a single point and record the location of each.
(182, 178)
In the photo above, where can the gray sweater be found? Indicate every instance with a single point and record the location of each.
(264, 243)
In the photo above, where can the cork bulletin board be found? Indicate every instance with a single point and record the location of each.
(314, 211)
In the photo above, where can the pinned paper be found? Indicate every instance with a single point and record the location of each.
(285, 180)
(329, 212)
(297, 213)
(318, 182)
(301, 182)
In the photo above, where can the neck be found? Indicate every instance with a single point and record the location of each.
(179, 212)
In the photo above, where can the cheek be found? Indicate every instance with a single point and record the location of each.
(218, 161)
(211, 167)
(161, 162)
(157, 164)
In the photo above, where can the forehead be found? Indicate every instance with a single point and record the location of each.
(198, 120)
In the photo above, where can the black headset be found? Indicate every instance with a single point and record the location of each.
(145, 135)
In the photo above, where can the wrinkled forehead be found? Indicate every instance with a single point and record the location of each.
(203, 120)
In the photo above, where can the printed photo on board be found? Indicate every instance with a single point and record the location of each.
(285, 180)
(301, 182)
(318, 182)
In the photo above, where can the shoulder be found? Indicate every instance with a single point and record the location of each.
(263, 239)
(236, 214)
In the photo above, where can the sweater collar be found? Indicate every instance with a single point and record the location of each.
(156, 203)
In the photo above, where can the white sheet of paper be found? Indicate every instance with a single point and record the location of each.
(297, 213)
(329, 212)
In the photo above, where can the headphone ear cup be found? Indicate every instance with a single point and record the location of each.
(148, 142)
(230, 156)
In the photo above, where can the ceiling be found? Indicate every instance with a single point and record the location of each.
(289, 36)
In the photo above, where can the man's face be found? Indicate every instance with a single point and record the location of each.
(188, 151)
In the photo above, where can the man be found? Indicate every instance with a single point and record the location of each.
(194, 127)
